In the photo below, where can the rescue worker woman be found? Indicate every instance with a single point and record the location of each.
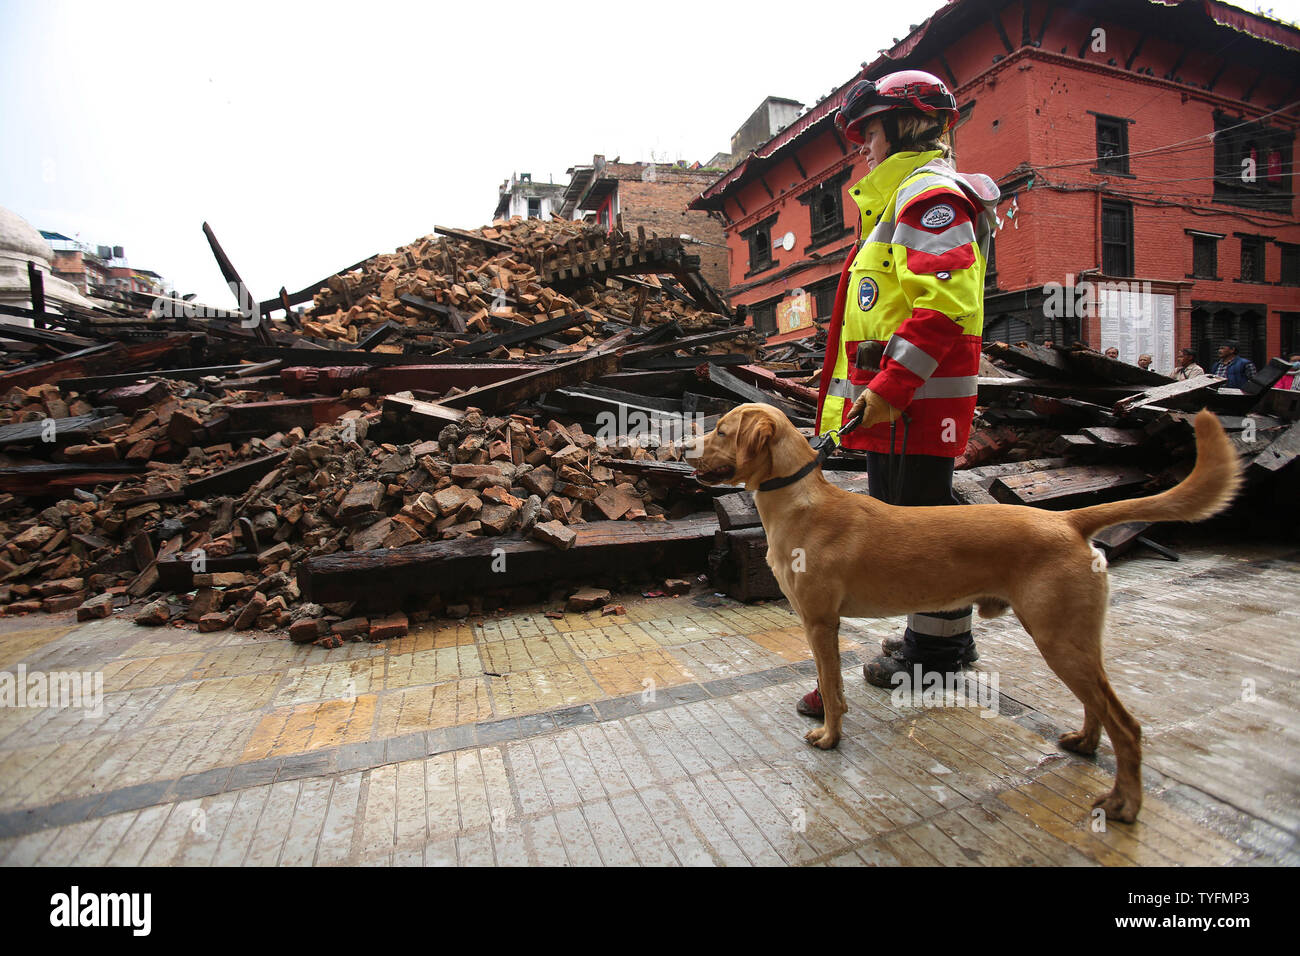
(903, 345)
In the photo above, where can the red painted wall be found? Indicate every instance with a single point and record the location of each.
(1033, 107)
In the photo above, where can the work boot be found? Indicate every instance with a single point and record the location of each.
(894, 645)
(810, 705)
(880, 671)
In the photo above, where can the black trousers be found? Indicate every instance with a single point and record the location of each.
(936, 639)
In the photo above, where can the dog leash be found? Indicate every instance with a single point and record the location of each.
(827, 444)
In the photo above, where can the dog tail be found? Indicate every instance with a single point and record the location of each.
(1206, 491)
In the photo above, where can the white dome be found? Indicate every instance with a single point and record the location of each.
(19, 245)
(18, 240)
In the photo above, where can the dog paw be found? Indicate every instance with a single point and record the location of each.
(821, 737)
(1076, 742)
(1118, 806)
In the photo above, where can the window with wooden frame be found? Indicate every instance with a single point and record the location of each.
(825, 204)
(1205, 255)
(759, 239)
(1252, 258)
(1116, 238)
(1290, 264)
(1112, 145)
(1252, 164)
(764, 316)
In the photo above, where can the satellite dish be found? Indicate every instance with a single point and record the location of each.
(787, 241)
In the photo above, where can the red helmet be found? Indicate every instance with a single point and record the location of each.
(910, 89)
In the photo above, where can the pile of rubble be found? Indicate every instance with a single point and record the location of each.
(474, 419)
(476, 386)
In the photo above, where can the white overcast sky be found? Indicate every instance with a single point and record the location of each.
(311, 135)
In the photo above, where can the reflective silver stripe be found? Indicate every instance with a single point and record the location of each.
(884, 232)
(935, 244)
(843, 388)
(911, 357)
(927, 180)
(938, 626)
(955, 386)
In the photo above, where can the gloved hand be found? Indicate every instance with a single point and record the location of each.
(874, 409)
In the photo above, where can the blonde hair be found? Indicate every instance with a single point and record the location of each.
(912, 130)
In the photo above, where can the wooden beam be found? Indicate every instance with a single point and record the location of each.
(491, 244)
(243, 294)
(426, 417)
(1163, 393)
(488, 343)
(59, 480)
(36, 282)
(750, 393)
(509, 392)
(1067, 487)
(1281, 451)
(71, 430)
(1128, 64)
(756, 375)
(464, 565)
(50, 338)
(97, 358)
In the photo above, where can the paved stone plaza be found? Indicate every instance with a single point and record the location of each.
(666, 736)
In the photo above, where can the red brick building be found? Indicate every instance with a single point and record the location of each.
(1145, 152)
(653, 196)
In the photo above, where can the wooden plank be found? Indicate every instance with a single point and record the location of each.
(427, 417)
(1033, 359)
(639, 352)
(736, 511)
(1116, 437)
(490, 342)
(93, 360)
(51, 338)
(668, 362)
(232, 277)
(1066, 487)
(306, 413)
(57, 480)
(491, 244)
(750, 393)
(377, 335)
(1120, 538)
(1087, 362)
(507, 393)
(97, 382)
(233, 480)
(755, 375)
(1281, 451)
(70, 430)
(1163, 393)
(465, 565)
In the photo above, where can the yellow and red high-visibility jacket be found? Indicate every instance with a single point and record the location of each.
(916, 286)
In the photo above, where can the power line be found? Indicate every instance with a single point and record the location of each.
(1201, 139)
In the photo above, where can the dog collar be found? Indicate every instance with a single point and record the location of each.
(825, 444)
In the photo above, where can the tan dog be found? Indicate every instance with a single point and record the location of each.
(863, 558)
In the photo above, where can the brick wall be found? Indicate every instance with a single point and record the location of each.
(660, 206)
(1036, 106)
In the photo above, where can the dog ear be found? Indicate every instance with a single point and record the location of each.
(752, 441)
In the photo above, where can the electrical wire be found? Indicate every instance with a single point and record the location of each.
(1202, 139)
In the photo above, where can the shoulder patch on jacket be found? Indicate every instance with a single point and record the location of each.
(936, 217)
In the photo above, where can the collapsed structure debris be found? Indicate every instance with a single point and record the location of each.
(472, 419)
(504, 385)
